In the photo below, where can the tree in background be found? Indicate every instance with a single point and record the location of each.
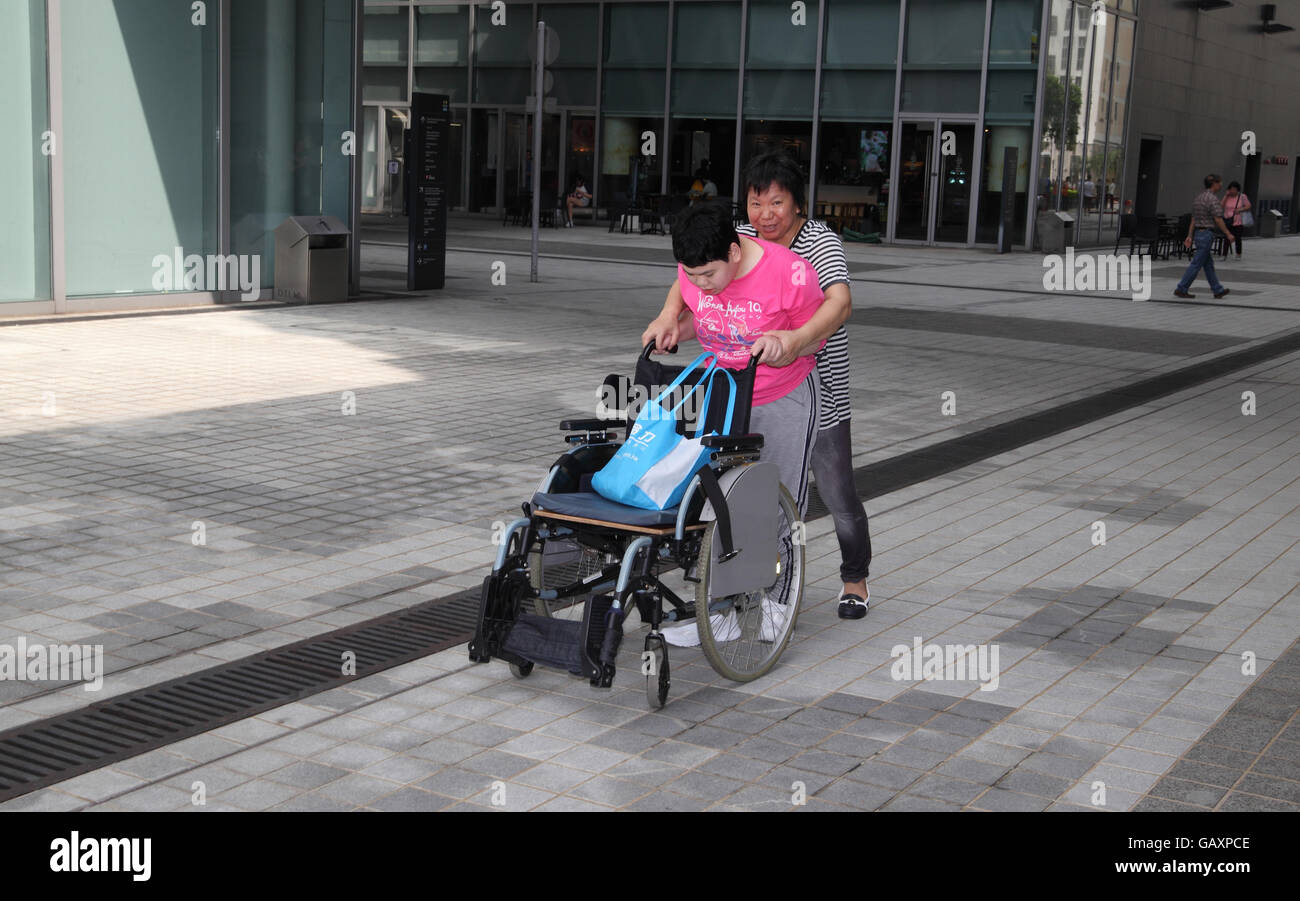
(1053, 103)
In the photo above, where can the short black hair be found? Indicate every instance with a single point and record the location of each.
(704, 233)
(1234, 184)
(1211, 179)
(775, 167)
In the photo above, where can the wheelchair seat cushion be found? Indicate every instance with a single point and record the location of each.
(589, 505)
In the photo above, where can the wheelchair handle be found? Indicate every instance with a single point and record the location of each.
(646, 351)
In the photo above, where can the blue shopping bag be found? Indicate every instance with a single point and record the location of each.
(653, 467)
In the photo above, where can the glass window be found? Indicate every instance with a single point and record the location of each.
(384, 52)
(861, 49)
(706, 66)
(1013, 36)
(942, 56)
(572, 71)
(24, 167)
(861, 32)
(944, 33)
(1062, 109)
(503, 54)
(139, 143)
(442, 50)
(779, 80)
(636, 46)
(290, 103)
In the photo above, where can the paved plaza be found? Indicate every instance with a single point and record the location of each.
(191, 488)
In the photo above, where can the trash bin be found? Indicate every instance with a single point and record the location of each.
(1270, 223)
(311, 259)
(1055, 231)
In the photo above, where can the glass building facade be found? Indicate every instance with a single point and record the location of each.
(900, 111)
(152, 133)
(141, 129)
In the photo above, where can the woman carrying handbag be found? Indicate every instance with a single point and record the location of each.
(1236, 211)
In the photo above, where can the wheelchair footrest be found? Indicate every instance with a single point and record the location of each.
(571, 645)
(550, 642)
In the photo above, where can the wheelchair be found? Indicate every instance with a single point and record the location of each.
(570, 569)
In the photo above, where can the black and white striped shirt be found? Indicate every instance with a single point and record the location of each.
(821, 247)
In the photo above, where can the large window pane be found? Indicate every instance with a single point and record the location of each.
(1013, 37)
(1062, 109)
(944, 33)
(384, 52)
(861, 33)
(997, 138)
(290, 103)
(573, 69)
(24, 169)
(780, 62)
(139, 141)
(442, 50)
(503, 54)
(942, 56)
(636, 42)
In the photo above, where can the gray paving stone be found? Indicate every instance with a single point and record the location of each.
(607, 790)
(916, 758)
(1032, 783)
(306, 775)
(918, 804)
(886, 775)
(998, 799)
(1210, 774)
(706, 786)
(1196, 793)
(856, 795)
(411, 799)
(1163, 805)
(1056, 765)
(973, 770)
(1240, 802)
(1270, 787)
(956, 791)
(663, 801)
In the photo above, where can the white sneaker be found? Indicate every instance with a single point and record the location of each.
(773, 621)
(687, 635)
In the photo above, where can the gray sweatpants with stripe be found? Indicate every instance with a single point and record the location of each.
(789, 427)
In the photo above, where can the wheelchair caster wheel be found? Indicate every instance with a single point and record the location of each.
(657, 681)
(521, 670)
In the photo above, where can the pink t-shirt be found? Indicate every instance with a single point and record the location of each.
(779, 293)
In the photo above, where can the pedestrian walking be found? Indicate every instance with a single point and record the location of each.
(1207, 220)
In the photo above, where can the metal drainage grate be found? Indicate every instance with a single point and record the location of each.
(46, 751)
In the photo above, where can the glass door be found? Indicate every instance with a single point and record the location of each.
(915, 174)
(952, 223)
(396, 122)
(935, 174)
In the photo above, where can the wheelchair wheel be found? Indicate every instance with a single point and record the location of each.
(557, 564)
(743, 635)
(657, 681)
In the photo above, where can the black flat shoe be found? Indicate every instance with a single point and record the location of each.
(854, 606)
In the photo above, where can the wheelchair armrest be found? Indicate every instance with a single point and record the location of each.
(591, 425)
(733, 442)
